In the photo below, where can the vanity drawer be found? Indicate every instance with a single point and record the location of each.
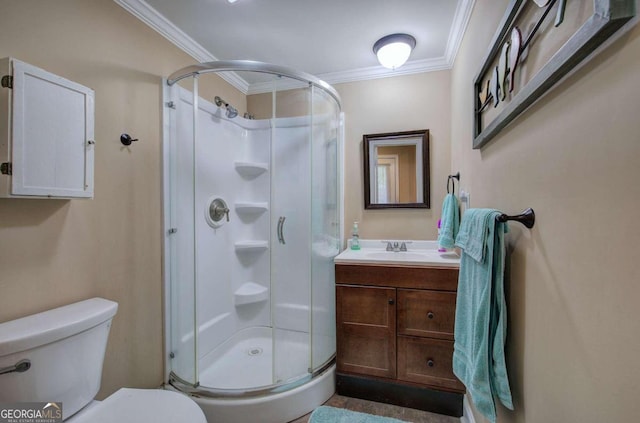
(433, 278)
(426, 313)
(427, 361)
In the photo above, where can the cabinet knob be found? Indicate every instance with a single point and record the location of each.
(430, 363)
(430, 315)
(391, 301)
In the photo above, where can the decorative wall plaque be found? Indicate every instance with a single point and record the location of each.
(537, 43)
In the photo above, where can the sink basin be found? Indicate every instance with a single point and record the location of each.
(421, 253)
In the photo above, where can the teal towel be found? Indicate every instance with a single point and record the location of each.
(481, 311)
(325, 414)
(449, 222)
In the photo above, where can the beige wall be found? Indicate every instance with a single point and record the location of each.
(395, 104)
(289, 103)
(573, 289)
(54, 252)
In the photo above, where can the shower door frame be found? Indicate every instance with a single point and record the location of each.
(168, 132)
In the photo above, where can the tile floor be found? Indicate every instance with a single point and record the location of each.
(386, 410)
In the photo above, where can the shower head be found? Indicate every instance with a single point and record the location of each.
(231, 111)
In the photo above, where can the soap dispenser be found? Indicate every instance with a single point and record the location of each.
(355, 238)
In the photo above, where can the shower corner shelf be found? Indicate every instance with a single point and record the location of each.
(251, 169)
(251, 245)
(250, 293)
(251, 207)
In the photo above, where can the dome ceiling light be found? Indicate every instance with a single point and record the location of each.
(394, 50)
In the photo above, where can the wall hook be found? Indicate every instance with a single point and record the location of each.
(126, 139)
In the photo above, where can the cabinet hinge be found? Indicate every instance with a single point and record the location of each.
(7, 81)
(6, 168)
(171, 104)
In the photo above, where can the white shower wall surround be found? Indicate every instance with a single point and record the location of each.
(260, 321)
(220, 270)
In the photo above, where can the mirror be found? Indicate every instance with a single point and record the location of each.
(396, 170)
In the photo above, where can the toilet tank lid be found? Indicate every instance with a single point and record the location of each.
(52, 325)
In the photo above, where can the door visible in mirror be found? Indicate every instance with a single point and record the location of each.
(396, 170)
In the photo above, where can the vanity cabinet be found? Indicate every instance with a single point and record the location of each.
(395, 335)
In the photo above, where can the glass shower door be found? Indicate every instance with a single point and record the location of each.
(290, 234)
(325, 224)
(180, 235)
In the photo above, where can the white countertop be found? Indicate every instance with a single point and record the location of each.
(419, 253)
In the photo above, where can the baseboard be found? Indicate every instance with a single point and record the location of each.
(390, 392)
(467, 412)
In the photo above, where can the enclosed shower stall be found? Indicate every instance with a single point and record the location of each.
(252, 223)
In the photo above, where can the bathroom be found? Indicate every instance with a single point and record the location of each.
(573, 157)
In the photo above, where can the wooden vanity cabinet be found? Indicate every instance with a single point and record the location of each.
(395, 335)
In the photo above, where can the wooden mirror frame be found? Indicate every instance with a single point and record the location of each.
(368, 139)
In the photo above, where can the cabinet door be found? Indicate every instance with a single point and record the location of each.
(366, 332)
(52, 135)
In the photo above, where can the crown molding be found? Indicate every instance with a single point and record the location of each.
(361, 74)
(150, 16)
(375, 72)
(458, 28)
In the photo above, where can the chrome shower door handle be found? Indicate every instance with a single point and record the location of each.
(279, 229)
(283, 218)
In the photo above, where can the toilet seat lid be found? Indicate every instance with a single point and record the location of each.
(144, 405)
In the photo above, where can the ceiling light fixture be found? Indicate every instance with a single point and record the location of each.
(394, 50)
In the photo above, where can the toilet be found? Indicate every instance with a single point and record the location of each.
(57, 356)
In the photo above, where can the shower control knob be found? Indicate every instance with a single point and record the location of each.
(218, 209)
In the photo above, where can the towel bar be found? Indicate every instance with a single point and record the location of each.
(527, 218)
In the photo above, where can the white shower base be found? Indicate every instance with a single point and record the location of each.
(272, 408)
(246, 361)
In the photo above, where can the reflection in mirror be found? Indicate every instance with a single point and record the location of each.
(396, 170)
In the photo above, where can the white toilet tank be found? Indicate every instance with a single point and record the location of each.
(65, 348)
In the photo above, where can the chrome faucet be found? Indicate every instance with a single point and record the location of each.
(396, 246)
(403, 246)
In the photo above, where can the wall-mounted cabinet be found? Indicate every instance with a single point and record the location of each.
(46, 134)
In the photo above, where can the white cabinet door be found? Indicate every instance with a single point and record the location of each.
(52, 135)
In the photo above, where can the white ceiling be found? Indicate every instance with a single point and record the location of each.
(331, 39)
